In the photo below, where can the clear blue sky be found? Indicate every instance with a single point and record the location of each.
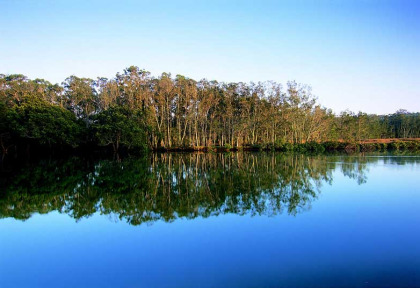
(360, 55)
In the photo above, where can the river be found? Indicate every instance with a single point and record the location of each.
(212, 220)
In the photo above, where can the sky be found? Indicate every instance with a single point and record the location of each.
(356, 55)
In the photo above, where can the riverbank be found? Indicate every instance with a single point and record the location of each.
(23, 153)
(369, 145)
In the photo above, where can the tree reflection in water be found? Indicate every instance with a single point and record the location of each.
(171, 186)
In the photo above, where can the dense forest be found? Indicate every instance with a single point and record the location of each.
(137, 111)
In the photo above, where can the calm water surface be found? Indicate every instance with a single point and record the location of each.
(212, 220)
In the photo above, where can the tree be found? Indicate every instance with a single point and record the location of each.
(80, 96)
(36, 120)
(118, 126)
(5, 135)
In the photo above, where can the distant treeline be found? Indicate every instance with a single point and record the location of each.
(137, 111)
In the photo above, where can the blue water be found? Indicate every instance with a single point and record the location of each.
(355, 233)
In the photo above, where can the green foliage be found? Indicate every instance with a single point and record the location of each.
(80, 96)
(227, 146)
(333, 146)
(119, 126)
(403, 124)
(368, 147)
(315, 147)
(383, 146)
(37, 120)
(397, 145)
(270, 147)
(136, 110)
(285, 147)
(258, 147)
(5, 132)
(3, 116)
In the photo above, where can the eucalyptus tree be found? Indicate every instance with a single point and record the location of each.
(404, 124)
(208, 97)
(80, 96)
(186, 114)
(299, 106)
(164, 108)
(108, 92)
(134, 89)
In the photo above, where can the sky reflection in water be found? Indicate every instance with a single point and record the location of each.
(212, 220)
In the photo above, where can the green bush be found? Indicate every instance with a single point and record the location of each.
(227, 146)
(383, 146)
(368, 147)
(314, 147)
(331, 146)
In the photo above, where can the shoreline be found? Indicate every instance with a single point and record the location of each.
(368, 145)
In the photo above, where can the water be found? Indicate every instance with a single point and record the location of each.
(212, 220)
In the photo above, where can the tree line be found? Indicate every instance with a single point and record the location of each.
(135, 110)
